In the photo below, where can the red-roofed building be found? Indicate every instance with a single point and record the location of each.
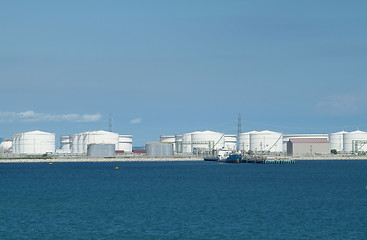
(308, 146)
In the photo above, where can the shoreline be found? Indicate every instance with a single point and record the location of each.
(117, 160)
(164, 159)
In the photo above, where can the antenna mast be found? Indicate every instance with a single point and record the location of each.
(239, 130)
(110, 123)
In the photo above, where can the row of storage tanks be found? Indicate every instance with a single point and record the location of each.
(78, 143)
(343, 141)
(38, 142)
(200, 142)
(196, 142)
(256, 141)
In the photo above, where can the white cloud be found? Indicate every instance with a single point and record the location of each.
(136, 121)
(338, 105)
(31, 116)
(90, 118)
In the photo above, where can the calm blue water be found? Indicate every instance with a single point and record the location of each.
(184, 200)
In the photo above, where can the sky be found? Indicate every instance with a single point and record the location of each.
(172, 67)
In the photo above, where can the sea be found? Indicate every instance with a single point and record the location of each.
(184, 200)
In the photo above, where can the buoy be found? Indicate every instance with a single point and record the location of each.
(116, 167)
(50, 163)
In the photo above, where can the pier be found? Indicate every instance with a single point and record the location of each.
(270, 161)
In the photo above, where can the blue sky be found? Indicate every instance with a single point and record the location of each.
(169, 67)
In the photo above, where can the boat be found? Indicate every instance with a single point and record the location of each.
(212, 159)
(233, 158)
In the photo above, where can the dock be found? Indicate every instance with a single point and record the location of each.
(270, 161)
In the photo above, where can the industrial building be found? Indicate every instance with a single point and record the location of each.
(287, 137)
(308, 146)
(35, 142)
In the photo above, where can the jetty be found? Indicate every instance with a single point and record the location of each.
(271, 161)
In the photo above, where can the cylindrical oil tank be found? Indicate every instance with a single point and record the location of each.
(336, 140)
(266, 141)
(159, 149)
(230, 142)
(104, 137)
(207, 139)
(74, 143)
(65, 143)
(186, 143)
(101, 150)
(126, 143)
(353, 136)
(36, 142)
(167, 139)
(6, 145)
(15, 148)
(85, 141)
(80, 142)
(244, 141)
(178, 143)
(20, 143)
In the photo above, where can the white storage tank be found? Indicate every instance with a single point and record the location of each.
(105, 137)
(126, 143)
(99, 137)
(6, 146)
(244, 141)
(159, 149)
(230, 142)
(65, 143)
(186, 143)
(35, 142)
(337, 140)
(74, 143)
(266, 141)
(167, 139)
(15, 141)
(204, 140)
(178, 143)
(350, 137)
(85, 141)
(80, 141)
